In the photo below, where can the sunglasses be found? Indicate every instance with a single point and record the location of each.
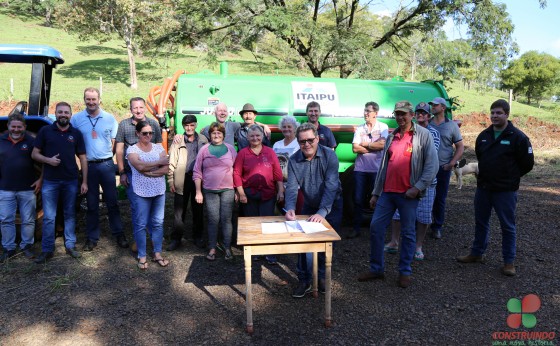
(308, 141)
(150, 133)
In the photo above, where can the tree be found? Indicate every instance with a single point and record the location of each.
(535, 75)
(136, 22)
(333, 34)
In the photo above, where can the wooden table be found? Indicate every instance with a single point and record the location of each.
(255, 243)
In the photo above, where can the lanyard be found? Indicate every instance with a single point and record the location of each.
(92, 123)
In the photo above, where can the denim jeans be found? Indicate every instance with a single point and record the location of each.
(180, 204)
(504, 204)
(52, 190)
(149, 210)
(258, 207)
(304, 265)
(9, 202)
(102, 174)
(438, 211)
(386, 206)
(219, 208)
(363, 186)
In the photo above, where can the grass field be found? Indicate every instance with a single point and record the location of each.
(105, 65)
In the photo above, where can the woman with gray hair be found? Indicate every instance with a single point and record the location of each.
(257, 177)
(288, 125)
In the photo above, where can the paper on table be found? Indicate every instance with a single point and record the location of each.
(293, 227)
(273, 227)
(312, 227)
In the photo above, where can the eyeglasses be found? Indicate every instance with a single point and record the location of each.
(147, 133)
(308, 141)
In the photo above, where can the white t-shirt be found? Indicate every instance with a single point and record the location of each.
(143, 185)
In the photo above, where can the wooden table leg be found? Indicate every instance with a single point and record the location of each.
(248, 288)
(315, 275)
(328, 278)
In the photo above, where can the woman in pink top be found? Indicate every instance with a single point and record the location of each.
(213, 180)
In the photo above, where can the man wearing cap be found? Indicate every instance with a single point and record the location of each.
(368, 143)
(326, 136)
(248, 113)
(99, 130)
(221, 113)
(180, 178)
(504, 155)
(400, 184)
(126, 137)
(424, 210)
(19, 183)
(450, 136)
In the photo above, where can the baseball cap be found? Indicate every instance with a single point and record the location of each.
(438, 101)
(403, 106)
(423, 106)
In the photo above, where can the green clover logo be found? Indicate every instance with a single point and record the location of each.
(522, 311)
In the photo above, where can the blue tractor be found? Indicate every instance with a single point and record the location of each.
(44, 60)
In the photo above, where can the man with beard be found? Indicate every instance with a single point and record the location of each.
(18, 186)
(56, 147)
(99, 130)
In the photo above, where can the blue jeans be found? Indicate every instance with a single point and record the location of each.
(504, 204)
(102, 174)
(149, 210)
(363, 186)
(386, 206)
(9, 202)
(438, 210)
(304, 265)
(52, 190)
(219, 208)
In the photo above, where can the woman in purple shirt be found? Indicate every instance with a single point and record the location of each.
(213, 180)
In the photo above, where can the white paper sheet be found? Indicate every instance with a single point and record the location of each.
(273, 227)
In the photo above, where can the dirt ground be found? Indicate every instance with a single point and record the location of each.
(103, 299)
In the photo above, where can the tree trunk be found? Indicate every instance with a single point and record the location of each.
(130, 51)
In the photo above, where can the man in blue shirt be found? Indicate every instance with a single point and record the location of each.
(314, 170)
(18, 185)
(56, 147)
(325, 134)
(99, 130)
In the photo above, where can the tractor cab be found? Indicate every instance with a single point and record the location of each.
(43, 60)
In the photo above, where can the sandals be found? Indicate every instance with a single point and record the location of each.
(390, 249)
(142, 265)
(419, 256)
(162, 262)
(211, 256)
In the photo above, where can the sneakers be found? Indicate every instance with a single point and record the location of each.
(301, 290)
(73, 253)
(174, 245)
(469, 259)
(43, 257)
(370, 276)
(28, 251)
(508, 269)
(89, 246)
(7, 254)
(122, 242)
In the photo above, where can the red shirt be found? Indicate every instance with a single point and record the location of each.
(257, 173)
(398, 168)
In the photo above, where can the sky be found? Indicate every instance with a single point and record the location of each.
(535, 28)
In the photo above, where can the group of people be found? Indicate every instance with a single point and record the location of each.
(404, 175)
